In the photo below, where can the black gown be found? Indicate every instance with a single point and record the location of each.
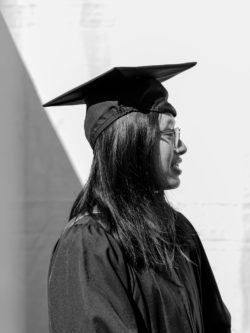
(92, 289)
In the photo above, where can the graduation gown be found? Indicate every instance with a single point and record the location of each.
(91, 288)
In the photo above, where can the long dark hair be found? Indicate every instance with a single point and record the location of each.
(122, 186)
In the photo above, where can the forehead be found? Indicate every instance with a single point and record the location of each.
(166, 120)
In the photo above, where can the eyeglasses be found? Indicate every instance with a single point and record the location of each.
(174, 133)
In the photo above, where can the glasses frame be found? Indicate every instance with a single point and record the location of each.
(175, 133)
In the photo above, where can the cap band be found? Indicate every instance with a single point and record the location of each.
(114, 111)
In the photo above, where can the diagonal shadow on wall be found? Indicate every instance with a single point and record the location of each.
(245, 257)
(38, 188)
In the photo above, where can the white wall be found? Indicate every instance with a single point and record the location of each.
(64, 43)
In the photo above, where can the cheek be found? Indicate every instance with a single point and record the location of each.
(165, 156)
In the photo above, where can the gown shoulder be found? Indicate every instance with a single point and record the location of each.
(87, 280)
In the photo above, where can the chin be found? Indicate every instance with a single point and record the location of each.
(168, 183)
(172, 184)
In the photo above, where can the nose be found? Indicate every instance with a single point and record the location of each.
(181, 149)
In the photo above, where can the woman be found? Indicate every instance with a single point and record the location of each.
(127, 261)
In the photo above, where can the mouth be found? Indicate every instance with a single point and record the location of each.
(176, 167)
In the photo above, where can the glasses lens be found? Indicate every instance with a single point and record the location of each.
(176, 137)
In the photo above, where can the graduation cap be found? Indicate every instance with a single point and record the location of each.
(120, 91)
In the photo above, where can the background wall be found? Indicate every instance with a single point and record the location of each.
(64, 43)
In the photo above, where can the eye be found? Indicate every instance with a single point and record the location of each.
(168, 133)
(167, 136)
(172, 135)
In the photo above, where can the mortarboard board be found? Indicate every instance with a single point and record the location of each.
(128, 89)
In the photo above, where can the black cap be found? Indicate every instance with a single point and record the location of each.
(119, 91)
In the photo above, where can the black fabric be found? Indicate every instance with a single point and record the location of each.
(91, 288)
(133, 87)
(109, 85)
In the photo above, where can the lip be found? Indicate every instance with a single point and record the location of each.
(175, 166)
(177, 161)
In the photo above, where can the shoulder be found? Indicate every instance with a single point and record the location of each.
(88, 233)
(86, 241)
